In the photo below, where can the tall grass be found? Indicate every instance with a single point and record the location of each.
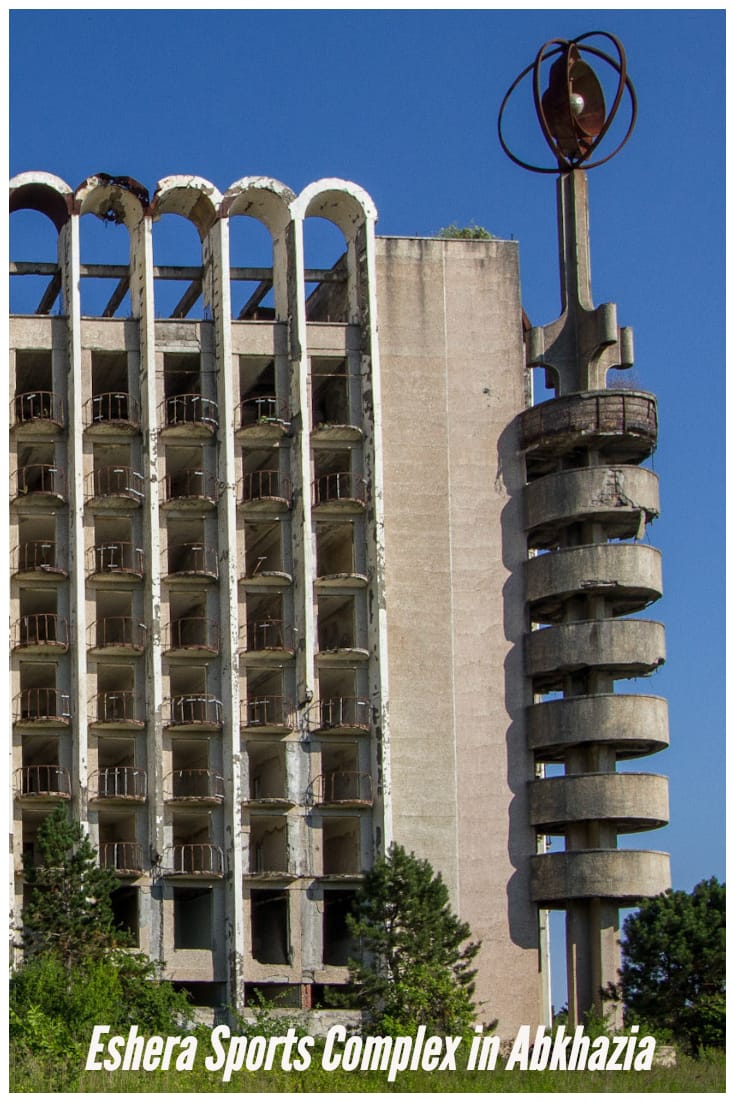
(45, 1074)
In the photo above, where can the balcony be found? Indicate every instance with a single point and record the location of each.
(38, 557)
(194, 860)
(116, 487)
(269, 638)
(112, 413)
(621, 499)
(192, 635)
(622, 648)
(125, 858)
(340, 492)
(118, 558)
(42, 783)
(116, 708)
(623, 875)
(343, 714)
(196, 711)
(189, 415)
(627, 576)
(119, 783)
(262, 418)
(42, 706)
(194, 786)
(41, 483)
(195, 560)
(622, 426)
(269, 714)
(263, 491)
(41, 633)
(629, 801)
(117, 636)
(190, 490)
(634, 724)
(343, 788)
(37, 412)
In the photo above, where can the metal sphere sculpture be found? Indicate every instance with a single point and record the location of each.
(571, 112)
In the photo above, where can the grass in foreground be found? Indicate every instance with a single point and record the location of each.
(35, 1074)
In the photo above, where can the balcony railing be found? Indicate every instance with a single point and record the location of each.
(38, 406)
(38, 555)
(192, 633)
(344, 712)
(190, 484)
(265, 485)
(195, 785)
(118, 482)
(269, 635)
(275, 712)
(262, 409)
(343, 787)
(202, 859)
(40, 703)
(123, 857)
(190, 410)
(43, 781)
(340, 486)
(118, 783)
(117, 557)
(41, 478)
(40, 630)
(116, 706)
(200, 559)
(114, 407)
(123, 632)
(195, 708)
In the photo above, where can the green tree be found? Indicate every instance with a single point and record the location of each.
(78, 968)
(417, 964)
(473, 232)
(673, 973)
(68, 909)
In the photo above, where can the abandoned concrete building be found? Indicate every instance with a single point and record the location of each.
(296, 578)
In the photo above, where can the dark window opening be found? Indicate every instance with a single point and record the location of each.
(269, 927)
(192, 918)
(338, 944)
(124, 903)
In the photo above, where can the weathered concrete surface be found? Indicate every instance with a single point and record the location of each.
(635, 724)
(633, 802)
(623, 875)
(452, 382)
(628, 576)
(619, 497)
(628, 648)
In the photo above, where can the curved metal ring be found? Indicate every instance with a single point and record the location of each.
(624, 84)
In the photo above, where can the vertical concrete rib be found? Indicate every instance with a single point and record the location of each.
(69, 254)
(373, 426)
(142, 294)
(216, 257)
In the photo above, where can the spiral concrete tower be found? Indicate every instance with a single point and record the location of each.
(587, 504)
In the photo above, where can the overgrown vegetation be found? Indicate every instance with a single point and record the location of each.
(673, 974)
(473, 232)
(418, 957)
(78, 968)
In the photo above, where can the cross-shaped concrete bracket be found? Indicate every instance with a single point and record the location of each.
(585, 341)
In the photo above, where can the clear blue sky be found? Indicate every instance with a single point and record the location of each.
(405, 104)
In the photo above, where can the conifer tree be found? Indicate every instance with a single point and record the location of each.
(68, 910)
(416, 967)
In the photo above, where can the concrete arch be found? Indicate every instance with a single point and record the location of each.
(43, 192)
(190, 196)
(261, 197)
(345, 204)
(118, 199)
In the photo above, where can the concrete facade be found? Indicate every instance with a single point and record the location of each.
(271, 593)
